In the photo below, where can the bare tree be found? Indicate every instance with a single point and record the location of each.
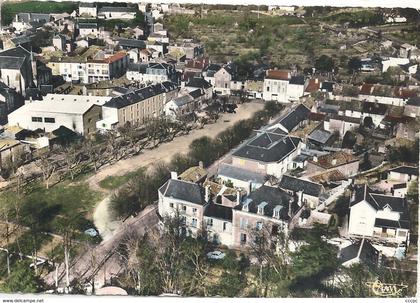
(73, 156)
(47, 167)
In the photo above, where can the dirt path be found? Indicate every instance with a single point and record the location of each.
(164, 152)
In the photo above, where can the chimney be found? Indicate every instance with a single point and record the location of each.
(207, 193)
(334, 162)
(300, 195)
(174, 175)
(315, 159)
(248, 189)
(290, 208)
(201, 164)
(238, 197)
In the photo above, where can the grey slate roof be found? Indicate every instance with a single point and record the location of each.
(132, 43)
(294, 117)
(362, 249)
(238, 173)
(182, 100)
(31, 17)
(212, 69)
(116, 9)
(296, 185)
(408, 170)
(198, 82)
(219, 212)
(88, 25)
(141, 94)
(320, 136)
(197, 93)
(273, 196)
(184, 191)
(268, 147)
(86, 4)
(299, 80)
(374, 108)
(13, 58)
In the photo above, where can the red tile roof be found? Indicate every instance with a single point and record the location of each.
(313, 85)
(278, 74)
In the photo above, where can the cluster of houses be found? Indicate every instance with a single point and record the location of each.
(91, 79)
(278, 181)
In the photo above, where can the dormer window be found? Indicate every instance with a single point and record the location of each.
(245, 207)
(261, 207)
(387, 208)
(276, 211)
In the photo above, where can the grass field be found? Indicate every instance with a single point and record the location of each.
(10, 9)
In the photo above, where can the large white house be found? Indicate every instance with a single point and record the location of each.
(78, 113)
(282, 86)
(378, 216)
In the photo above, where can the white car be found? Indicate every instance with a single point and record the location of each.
(216, 255)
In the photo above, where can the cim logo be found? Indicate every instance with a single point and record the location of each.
(386, 290)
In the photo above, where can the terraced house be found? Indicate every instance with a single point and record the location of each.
(137, 106)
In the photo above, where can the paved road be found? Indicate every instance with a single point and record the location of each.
(101, 262)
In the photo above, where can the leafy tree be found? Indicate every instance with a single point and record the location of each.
(354, 64)
(21, 279)
(203, 149)
(314, 260)
(324, 64)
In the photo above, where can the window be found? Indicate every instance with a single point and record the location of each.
(210, 222)
(268, 88)
(243, 223)
(402, 233)
(36, 119)
(184, 208)
(194, 210)
(243, 239)
(171, 205)
(49, 120)
(194, 222)
(224, 226)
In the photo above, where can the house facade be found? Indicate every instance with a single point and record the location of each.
(137, 106)
(378, 216)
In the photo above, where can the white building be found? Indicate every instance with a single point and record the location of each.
(378, 216)
(76, 112)
(116, 12)
(282, 86)
(393, 62)
(87, 9)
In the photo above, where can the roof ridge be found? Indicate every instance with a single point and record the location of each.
(361, 247)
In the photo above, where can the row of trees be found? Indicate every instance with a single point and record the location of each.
(172, 262)
(69, 160)
(141, 190)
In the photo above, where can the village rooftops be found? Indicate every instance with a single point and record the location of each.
(297, 80)
(65, 106)
(133, 43)
(268, 147)
(278, 75)
(362, 250)
(407, 170)
(212, 69)
(272, 199)
(87, 4)
(387, 91)
(344, 118)
(198, 82)
(89, 25)
(219, 212)
(380, 201)
(116, 9)
(13, 58)
(141, 94)
(313, 85)
(320, 136)
(334, 159)
(193, 174)
(294, 117)
(184, 191)
(295, 184)
(238, 173)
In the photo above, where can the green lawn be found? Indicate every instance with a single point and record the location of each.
(41, 207)
(10, 9)
(114, 182)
